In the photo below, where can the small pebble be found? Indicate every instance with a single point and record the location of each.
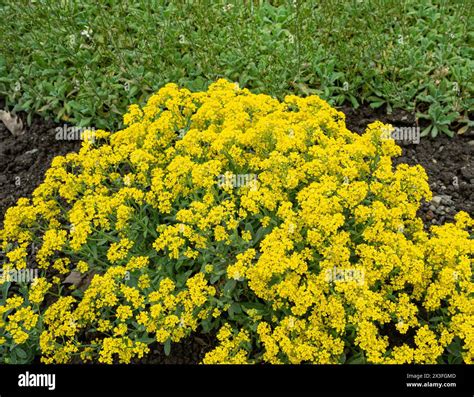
(429, 215)
(436, 200)
(32, 151)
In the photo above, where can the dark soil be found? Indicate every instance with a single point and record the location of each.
(448, 162)
(24, 160)
(189, 351)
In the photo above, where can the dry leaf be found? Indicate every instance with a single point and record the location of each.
(74, 278)
(13, 123)
(87, 280)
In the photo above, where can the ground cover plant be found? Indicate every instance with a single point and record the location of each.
(266, 221)
(85, 62)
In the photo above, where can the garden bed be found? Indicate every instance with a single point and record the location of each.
(24, 160)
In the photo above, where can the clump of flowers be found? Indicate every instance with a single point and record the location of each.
(266, 222)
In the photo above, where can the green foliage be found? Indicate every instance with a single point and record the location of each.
(85, 62)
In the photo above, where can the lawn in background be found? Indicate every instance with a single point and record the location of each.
(85, 61)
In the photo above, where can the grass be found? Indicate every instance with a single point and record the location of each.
(85, 62)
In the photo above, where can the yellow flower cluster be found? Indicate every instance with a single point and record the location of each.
(37, 291)
(266, 219)
(17, 321)
(231, 348)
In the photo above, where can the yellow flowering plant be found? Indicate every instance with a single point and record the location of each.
(268, 223)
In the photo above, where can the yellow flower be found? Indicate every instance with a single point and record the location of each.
(38, 290)
(118, 251)
(82, 267)
(124, 312)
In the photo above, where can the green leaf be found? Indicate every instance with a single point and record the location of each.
(426, 131)
(342, 358)
(214, 278)
(253, 305)
(146, 339)
(448, 132)
(375, 105)
(167, 347)
(229, 286)
(357, 359)
(235, 308)
(354, 101)
(21, 353)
